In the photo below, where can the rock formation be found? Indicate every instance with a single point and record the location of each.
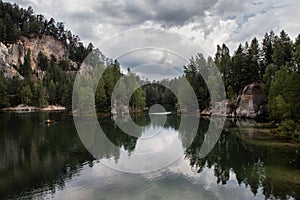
(12, 55)
(6, 66)
(251, 102)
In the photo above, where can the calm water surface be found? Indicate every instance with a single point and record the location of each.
(49, 161)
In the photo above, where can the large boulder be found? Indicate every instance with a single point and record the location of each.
(251, 102)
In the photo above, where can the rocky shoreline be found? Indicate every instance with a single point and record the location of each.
(250, 103)
(25, 108)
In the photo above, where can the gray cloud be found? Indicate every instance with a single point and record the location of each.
(165, 12)
(208, 23)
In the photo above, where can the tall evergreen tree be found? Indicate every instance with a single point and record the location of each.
(267, 48)
(297, 53)
(223, 62)
(2, 31)
(26, 67)
(238, 62)
(40, 96)
(11, 29)
(254, 61)
(282, 49)
(26, 95)
(4, 101)
(100, 98)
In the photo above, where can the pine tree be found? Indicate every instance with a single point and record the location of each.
(11, 29)
(238, 62)
(2, 31)
(42, 61)
(52, 93)
(254, 61)
(297, 53)
(26, 95)
(223, 62)
(282, 49)
(40, 96)
(267, 48)
(26, 67)
(100, 98)
(4, 102)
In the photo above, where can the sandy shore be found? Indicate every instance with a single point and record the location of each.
(25, 108)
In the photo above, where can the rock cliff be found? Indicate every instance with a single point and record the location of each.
(6, 65)
(12, 55)
(251, 102)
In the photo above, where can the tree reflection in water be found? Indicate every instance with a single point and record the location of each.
(36, 159)
(255, 162)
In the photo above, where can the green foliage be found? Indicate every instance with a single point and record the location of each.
(42, 61)
(138, 99)
(230, 94)
(26, 95)
(297, 51)
(268, 77)
(2, 31)
(12, 31)
(289, 128)
(279, 109)
(282, 49)
(40, 96)
(100, 98)
(25, 69)
(267, 48)
(193, 75)
(284, 93)
(4, 101)
(239, 64)
(185, 95)
(223, 62)
(13, 90)
(52, 92)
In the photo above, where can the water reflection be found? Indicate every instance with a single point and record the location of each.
(35, 158)
(39, 161)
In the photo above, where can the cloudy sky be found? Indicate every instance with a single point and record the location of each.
(206, 22)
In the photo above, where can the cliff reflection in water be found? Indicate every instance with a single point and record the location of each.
(36, 160)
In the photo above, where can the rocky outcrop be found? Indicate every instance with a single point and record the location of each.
(6, 66)
(223, 108)
(251, 102)
(46, 44)
(12, 55)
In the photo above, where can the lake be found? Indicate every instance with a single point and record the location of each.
(39, 160)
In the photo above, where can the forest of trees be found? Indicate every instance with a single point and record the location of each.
(274, 62)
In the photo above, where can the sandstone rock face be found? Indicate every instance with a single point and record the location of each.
(8, 70)
(46, 44)
(16, 54)
(251, 102)
(12, 55)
